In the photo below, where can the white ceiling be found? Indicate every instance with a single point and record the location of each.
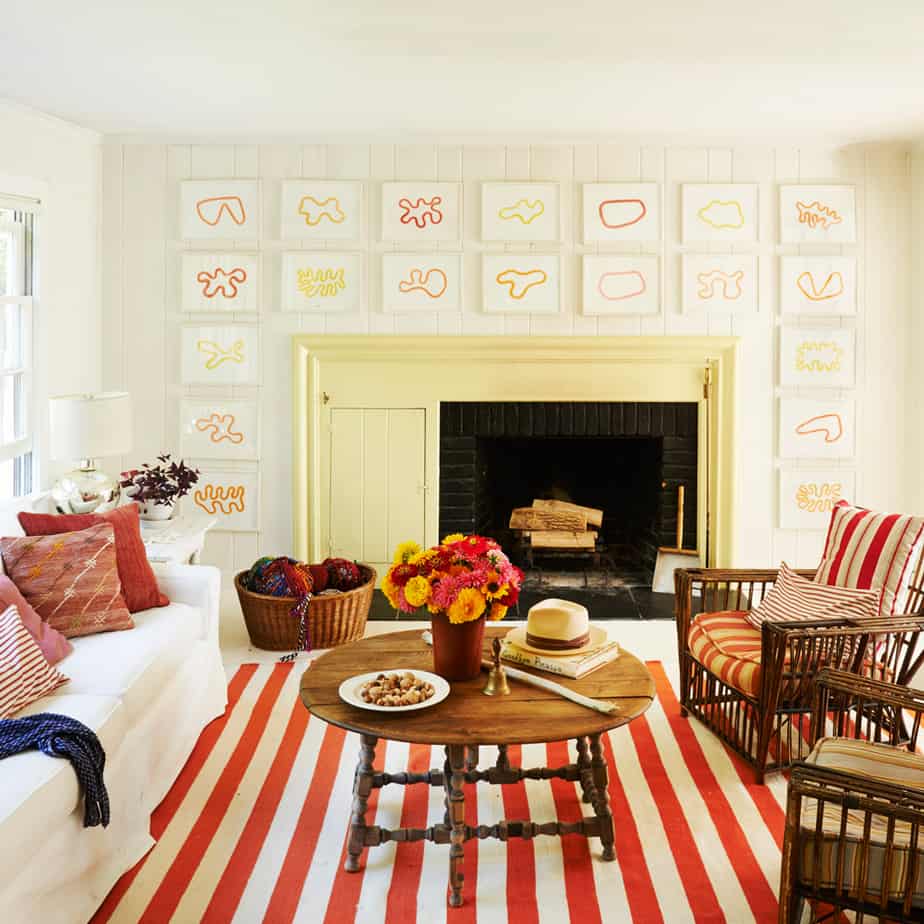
(842, 70)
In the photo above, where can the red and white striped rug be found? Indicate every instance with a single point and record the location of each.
(254, 829)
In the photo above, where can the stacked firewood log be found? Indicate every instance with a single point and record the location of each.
(557, 525)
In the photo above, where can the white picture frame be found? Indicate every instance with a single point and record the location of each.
(817, 428)
(219, 282)
(521, 283)
(230, 496)
(321, 280)
(621, 212)
(620, 284)
(220, 354)
(421, 282)
(323, 210)
(818, 214)
(818, 357)
(220, 210)
(521, 212)
(807, 496)
(422, 212)
(720, 213)
(725, 283)
(219, 429)
(818, 285)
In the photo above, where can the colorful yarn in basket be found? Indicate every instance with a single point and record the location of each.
(285, 577)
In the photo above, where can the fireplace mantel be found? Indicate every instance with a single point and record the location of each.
(381, 373)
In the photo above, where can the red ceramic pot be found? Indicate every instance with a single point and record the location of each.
(457, 647)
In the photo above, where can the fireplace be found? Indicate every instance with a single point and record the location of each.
(626, 458)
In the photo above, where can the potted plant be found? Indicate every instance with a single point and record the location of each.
(157, 488)
(460, 583)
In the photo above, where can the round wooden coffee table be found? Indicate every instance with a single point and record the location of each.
(462, 722)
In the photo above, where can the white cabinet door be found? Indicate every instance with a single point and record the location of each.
(377, 469)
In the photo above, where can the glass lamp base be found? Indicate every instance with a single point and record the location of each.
(85, 490)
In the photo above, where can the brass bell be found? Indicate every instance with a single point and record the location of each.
(497, 676)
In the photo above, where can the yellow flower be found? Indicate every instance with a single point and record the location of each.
(422, 556)
(405, 550)
(500, 592)
(433, 608)
(417, 591)
(468, 606)
(453, 537)
(390, 591)
(497, 611)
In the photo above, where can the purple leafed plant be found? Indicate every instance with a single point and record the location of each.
(164, 483)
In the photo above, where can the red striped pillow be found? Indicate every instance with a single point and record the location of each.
(25, 675)
(872, 550)
(795, 597)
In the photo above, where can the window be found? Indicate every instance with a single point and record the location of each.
(17, 243)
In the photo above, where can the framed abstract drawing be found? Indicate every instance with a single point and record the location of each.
(322, 280)
(719, 282)
(321, 210)
(621, 212)
(220, 354)
(520, 212)
(818, 285)
(807, 496)
(817, 428)
(521, 283)
(421, 282)
(219, 429)
(219, 282)
(621, 284)
(220, 209)
(818, 214)
(822, 357)
(421, 212)
(232, 497)
(719, 213)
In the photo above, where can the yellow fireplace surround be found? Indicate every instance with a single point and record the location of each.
(351, 371)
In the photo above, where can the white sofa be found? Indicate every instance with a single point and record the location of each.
(147, 693)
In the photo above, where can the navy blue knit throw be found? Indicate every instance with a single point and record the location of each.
(62, 736)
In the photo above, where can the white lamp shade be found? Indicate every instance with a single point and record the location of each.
(90, 426)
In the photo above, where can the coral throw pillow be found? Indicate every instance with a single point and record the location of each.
(25, 675)
(872, 550)
(139, 585)
(70, 579)
(53, 644)
(795, 597)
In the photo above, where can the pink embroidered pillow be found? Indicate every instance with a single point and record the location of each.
(53, 644)
(872, 550)
(25, 675)
(795, 597)
(71, 579)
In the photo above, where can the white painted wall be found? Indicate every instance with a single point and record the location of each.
(914, 388)
(141, 318)
(59, 162)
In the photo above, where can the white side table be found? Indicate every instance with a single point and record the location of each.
(176, 541)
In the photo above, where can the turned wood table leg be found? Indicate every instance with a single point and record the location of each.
(362, 786)
(503, 761)
(600, 797)
(455, 809)
(471, 757)
(584, 769)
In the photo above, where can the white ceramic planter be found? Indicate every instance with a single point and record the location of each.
(152, 511)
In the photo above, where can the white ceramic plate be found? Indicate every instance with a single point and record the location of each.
(349, 691)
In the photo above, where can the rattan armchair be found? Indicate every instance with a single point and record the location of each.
(855, 812)
(766, 721)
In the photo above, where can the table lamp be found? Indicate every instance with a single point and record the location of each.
(89, 427)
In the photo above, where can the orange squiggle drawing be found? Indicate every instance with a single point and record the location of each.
(314, 211)
(830, 288)
(621, 285)
(519, 282)
(710, 282)
(218, 354)
(419, 281)
(816, 215)
(818, 498)
(211, 210)
(830, 425)
(627, 211)
(219, 427)
(420, 211)
(226, 499)
(221, 281)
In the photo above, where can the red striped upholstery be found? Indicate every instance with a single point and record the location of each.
(866, 549)
(727, 645)
(25, 675)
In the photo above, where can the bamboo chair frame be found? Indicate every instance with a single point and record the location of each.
(769, 729)
(855, 707)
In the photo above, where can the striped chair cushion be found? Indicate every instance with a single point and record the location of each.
(796, 597)
(25, 675)
(727, 645)
(880, 762)
(878, 550)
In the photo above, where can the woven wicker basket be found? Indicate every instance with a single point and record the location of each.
(333, 619)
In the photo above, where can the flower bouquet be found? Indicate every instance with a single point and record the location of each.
(461, 582)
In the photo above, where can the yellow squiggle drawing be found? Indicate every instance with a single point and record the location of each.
(218, 354)
(722, 214)
(226, 499)
(323, 283)
(816, 215)
(818, 498)
(521, 209)
(519, 282)
(819, 356)
(315, 211)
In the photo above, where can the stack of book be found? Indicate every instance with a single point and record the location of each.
(573, 666)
